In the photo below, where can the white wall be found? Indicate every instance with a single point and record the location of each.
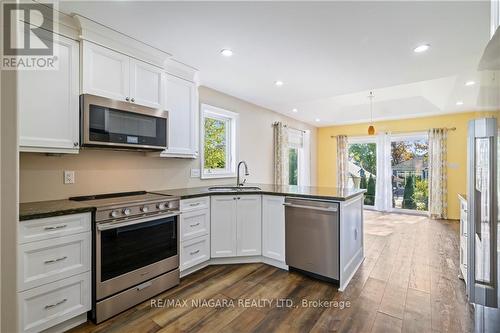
(104, 171)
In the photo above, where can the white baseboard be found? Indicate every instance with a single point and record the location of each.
(68, 324)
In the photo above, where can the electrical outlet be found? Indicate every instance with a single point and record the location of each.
(195, 173)
(69, 177)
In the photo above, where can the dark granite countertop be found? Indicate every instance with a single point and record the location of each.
(41, 209)
(328, 193)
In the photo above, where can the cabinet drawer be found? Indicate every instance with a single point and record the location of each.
(195, 224)
(195, 203)
(51, 304)
(53, 259)
(51, 227)
(195, 251)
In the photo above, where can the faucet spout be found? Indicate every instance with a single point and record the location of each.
(238, 182)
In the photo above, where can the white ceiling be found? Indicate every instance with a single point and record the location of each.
(328, 54)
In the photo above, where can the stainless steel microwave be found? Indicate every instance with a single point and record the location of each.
(110, 123)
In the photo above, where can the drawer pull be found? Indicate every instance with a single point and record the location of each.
(50, 306)
(56, 227)
(144, 285)
(55, 260)
(194, 252)
(194, 225)
(194, 204)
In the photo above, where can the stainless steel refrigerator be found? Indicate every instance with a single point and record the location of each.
(483, 278)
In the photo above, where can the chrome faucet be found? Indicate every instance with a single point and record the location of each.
(238, 183)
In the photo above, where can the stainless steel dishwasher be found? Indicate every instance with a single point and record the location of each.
(312, 237)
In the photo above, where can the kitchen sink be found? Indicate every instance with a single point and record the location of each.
(233, 188)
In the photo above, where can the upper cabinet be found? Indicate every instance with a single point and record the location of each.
(181, 102)
(48, 104)
(111, 74)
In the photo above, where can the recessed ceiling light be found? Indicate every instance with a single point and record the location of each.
(295, 110)
(460, 103)
(226, 52)
(278, 83)
(317, 120)
(470, 83)
(421, 48)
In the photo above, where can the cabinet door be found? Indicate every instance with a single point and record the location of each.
(181, 102)
(223, 226)
(146, 84)
(48, 103)
(273, 227)
(105, 72)
(248, 226)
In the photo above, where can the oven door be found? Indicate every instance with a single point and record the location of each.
(131, 252)
(107, 122)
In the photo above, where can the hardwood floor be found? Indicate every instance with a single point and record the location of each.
(407, 283)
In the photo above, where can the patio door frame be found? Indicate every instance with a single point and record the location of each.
(407, 137)
(365, 140)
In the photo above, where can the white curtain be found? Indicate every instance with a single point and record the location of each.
(438, 173)
(280, 154)
(342, 161)
(383, 186)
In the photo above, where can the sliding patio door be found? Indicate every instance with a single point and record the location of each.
(410, 172)
(393, 169)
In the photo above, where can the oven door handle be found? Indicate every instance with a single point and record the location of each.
(115, 225)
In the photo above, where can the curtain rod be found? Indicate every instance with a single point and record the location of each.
(402, 132)
(285, 125)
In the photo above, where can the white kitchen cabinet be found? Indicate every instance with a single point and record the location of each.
(48, 104)
(114, 75)
(273, 227)
(53, 272)
(463, 237)
(195, 232)
(146, 84)
(223, 216)
(105, 72)
(235, 225)
(248, 227)
(194, 251)
(181, 102)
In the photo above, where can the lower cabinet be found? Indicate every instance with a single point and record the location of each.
(235, 225)
(54, 280)
(194, 232)
(273, 227)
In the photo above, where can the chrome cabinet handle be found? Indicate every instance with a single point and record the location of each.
(194, 225)
(194, 252)
(194, 204)
(56, 227)
(75, 144)
(49, 306)
(127, 98)
(55, 260)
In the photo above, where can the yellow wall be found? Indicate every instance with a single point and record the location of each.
(457, 148)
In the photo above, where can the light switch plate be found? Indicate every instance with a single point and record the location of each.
(69, 177)
(195, 173)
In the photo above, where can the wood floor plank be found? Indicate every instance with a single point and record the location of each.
(407, 283)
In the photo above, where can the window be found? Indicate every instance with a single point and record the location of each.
(298, 157)
(362, 167)
(218, 133)
(409, 164)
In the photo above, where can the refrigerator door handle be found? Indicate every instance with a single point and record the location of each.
(477, 212)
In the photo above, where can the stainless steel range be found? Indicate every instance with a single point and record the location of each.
(136, 249)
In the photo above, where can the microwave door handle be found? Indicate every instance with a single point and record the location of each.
(109, 226)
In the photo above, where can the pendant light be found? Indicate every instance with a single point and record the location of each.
(371, 128)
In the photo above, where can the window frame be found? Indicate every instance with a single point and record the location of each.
(232, 123)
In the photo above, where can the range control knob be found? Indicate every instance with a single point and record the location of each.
(144, 209)
(162, 205)
(126, 211)
(114, 214)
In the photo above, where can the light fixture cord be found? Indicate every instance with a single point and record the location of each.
(371, 106)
